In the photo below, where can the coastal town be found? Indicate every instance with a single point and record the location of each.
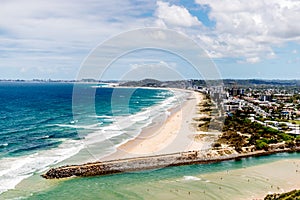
(276, 108)
(256, 116)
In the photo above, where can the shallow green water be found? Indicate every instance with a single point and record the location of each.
(226, 180)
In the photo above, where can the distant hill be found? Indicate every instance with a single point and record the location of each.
(227, 82)
(262, 82)
(155, 83)
(143, 83)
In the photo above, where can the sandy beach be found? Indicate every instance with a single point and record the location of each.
(174, 133)
(246, 183)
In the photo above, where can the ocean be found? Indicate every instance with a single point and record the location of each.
(39, 129)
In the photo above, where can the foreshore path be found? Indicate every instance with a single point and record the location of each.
(152, 162)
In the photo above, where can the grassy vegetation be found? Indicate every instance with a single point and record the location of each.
(239, 131)
(293, 195)
(294, 121)
(209, 121)
(204, 107)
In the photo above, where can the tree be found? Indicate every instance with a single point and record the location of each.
(261, 145)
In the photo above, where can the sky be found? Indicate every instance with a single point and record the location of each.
(245, 39)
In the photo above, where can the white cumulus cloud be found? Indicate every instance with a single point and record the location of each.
(175, 15)
(250, 28)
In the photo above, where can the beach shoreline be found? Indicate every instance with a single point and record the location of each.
(167, 134)
(170, 142)
(172, 134)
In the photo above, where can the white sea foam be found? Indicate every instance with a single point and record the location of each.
(103, 116)
(14, 169)
(108, 120)
(90, 127)
(4, 145)
(100, 86)
(138, 118)
(191, 178)
(73, 121)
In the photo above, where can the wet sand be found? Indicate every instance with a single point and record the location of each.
(247, 183)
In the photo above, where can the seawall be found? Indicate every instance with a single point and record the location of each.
(150, 162)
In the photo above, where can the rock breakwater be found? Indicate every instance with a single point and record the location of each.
(153, 162)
